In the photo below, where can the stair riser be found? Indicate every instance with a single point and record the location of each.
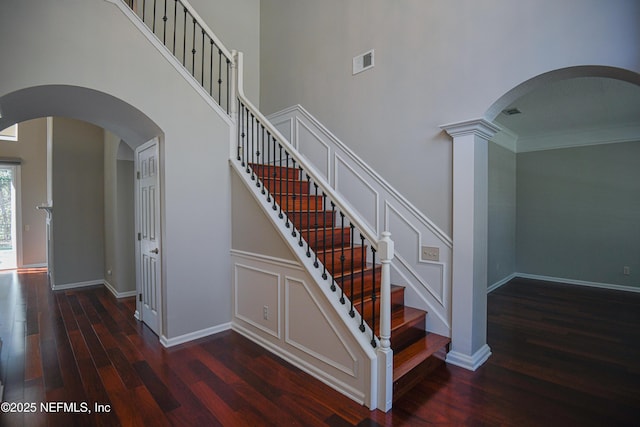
(360, 284)
(319, 239)
(316, 219)
(407, 334)
(331, 259)
(397, 300)
(297, 203)
(276, 186)
(277, 172)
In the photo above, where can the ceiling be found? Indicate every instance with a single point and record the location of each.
(572, 112)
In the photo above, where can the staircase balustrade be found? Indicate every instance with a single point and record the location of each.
(190, 40)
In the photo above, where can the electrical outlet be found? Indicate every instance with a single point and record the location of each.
(430, 253)
(626, 270)
(265, 312)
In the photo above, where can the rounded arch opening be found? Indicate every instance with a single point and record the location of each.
(99, 108)
(556, 75)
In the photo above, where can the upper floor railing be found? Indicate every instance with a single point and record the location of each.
(192, 42)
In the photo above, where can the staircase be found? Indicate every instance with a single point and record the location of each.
(416, 352)
(330, 236)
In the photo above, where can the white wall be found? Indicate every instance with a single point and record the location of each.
(435, 63)
(105, 71)
(237, 24)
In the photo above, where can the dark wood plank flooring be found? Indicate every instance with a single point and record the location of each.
(562, 355)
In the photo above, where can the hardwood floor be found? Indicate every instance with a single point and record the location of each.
(562, 355)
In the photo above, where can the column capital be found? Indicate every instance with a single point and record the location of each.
(478, 127)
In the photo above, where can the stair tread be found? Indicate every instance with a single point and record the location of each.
(357, 270)
(403, 315)
(410, 357)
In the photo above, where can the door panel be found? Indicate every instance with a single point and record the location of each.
(148, 220)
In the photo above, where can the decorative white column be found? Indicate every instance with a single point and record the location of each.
(469, 347)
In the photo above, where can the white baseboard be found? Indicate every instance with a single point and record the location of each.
(610, 286)
(40, 265)
(500, 283)
(469, 362)
(77, 285)
(170, 342)
(117, 294)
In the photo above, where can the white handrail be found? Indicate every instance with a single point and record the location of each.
(304, 163)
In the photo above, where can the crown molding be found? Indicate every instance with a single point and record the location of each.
(478, 127)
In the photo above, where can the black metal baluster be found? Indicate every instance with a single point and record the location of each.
(352, 275)
(300, 212)
(219, 75)
(164, 18)
(280, 181)
(274, 183)
(241, 129)
(193, 49)
(333, 245)
(154, 17)
(228, 82)
(211, 68)
(175, 28)
(292, 213)
(245, 148)
(308, 215)
(202, 59)
(324, 235)
(184, 38)
(373, 298)
(261, 138)
(342, 258)
(144, 5)
(253, 148)
(363, 261)
(315, 226)
(294, 200)
(270, 141)
(239, 140)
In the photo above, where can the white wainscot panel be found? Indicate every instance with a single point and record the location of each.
(313, 148)
(362, 196)
(430, 275)
(256, 289)
(303, 314)
(285, 127)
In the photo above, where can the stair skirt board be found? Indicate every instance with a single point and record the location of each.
(294, 304)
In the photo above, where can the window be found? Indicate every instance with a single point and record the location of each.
(10, 133)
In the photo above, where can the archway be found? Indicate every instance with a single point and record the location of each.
(470, 216)
(114, 124)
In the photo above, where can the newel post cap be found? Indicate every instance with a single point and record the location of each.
(386, 246)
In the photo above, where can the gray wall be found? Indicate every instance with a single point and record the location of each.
(31, 147)
(436, 62)
(502, 214)
(578, 213)
(119, 226)
(78, 201)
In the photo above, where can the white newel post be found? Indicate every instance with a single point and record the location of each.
(469, 347)
(385, 353)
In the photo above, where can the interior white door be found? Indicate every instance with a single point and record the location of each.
(148, 223)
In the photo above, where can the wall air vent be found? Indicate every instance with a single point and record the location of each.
(363, 62)
(511, 111)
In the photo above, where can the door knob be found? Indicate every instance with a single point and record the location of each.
(154, 251)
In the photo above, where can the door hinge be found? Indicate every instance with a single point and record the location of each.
(138, 174)
(139, 236)
(140, 297)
